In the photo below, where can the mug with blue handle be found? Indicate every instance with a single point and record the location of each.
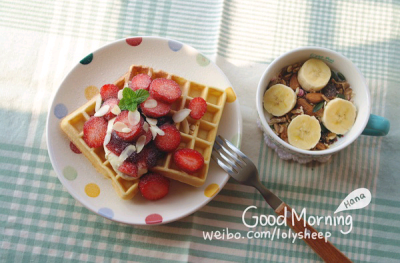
(377, 126)
(365, 123)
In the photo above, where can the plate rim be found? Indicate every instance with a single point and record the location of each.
(81, 200)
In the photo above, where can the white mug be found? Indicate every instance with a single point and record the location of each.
(365, 123)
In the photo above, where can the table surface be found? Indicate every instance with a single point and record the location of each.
(42, 40)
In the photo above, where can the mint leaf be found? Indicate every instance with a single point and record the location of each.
(141, 95)
(131, 99)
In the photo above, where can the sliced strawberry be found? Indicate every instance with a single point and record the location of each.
(73, 148)
(198, 106)
(116, 144)
(140, 81)
(94, 131)
(135, 129)
(153, 186)
(188, 160)
(165, 90)
(170, 140)
(160, 110)
(112, 102)
(109, 91)
(129, 168)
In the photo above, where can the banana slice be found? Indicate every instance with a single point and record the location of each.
(304, 132)
(339, 115)
(314, 75)
(279, 99)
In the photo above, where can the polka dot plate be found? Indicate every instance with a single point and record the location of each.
(103, 66)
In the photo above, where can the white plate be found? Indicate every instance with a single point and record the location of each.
(104, 66)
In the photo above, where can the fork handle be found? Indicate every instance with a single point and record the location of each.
(327, 251)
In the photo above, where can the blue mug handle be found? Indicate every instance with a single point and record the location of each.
(377, 126)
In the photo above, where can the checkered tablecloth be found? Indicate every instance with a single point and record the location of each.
(42, 40)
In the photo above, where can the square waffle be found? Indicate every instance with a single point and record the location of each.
(200, 136)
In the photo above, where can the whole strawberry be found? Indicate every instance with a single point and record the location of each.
(153, 186)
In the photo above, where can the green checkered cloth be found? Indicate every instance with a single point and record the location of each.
(42, 40)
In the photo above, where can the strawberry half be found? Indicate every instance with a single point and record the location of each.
(129, 168)
(188, 160)
(94, 131)
(165, 90)
(140, 81)
(135, 129)
(109, 91)
(170, 140)
(198, 106)
(153, 186)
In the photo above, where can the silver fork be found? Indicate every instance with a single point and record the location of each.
(243, 170)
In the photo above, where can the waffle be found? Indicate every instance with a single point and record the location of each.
(72, 125)
(201, 134)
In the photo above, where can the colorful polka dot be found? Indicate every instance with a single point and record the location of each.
(106, 212)
(134, 41)
(73, 148)
(70, 173)
(91, 91)
(230, 95)
(153, 219)
(174, 46)
(211, 190)
(202, 60)
(92, 190)
(60, 111)
(86, 60)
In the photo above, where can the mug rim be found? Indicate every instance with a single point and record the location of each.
(267, 128)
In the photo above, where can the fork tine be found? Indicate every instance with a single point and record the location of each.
(214, 156)
(232, 159)
(229, 147)
(227, 160)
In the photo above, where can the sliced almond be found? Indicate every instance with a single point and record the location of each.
(126, 130)
(102, 111)
(151, 121)
(126, 153)
(98, 103)
(140, 143)
(185, 126)
(120, 96)
(134, 117)
(156, 131)
(151, 103)
(107, 139)
(145, 126)
(116, 110)
(181, 115)
(119, 126)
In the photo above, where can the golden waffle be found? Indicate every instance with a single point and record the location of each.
(72, 125)
(202, 134)
(200, 137)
